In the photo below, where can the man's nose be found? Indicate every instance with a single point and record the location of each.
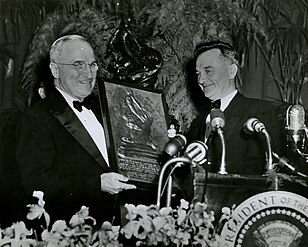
(202, 77)
(202, 81)
(88, 72)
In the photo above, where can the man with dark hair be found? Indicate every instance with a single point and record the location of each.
(216, 68)
(61, 147)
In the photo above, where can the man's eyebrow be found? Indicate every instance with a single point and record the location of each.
(94, 61)
(204, 67)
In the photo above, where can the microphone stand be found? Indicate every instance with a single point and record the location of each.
(284, 162)
(269, 157)
(169, 191)
(179, 161)
(222, 169)
(217, 123)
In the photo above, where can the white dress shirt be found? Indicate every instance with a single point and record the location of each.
(90, 122)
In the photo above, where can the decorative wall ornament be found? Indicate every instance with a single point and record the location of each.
(131, 60)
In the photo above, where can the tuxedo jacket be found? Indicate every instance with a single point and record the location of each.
(245, 154)
(56, 155)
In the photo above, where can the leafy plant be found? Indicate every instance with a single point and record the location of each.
(285, 50)
(18, 20)
(288, 36)
(12, 13)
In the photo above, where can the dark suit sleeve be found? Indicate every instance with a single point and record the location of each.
(36, 154)
(40, 167)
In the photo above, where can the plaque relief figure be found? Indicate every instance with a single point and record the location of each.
(138, 128)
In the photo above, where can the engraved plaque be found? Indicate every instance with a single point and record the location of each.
(137, 129)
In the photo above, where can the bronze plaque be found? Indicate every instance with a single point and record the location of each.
(137, 129)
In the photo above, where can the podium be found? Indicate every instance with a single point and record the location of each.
(227, 190)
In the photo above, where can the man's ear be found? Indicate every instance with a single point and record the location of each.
(233, 71)
(54, 70)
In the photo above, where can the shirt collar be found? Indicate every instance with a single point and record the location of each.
(225, 101)
(69, 99)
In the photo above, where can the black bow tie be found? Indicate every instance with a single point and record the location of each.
(86, 103)
(216, 104)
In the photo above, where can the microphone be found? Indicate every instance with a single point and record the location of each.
(253, 125)
(217, 119)
(172, 148)
(217, 123)
(196, 151)
(175, 145)
(295, 126)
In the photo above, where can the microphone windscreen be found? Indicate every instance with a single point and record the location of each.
(254, 125)
(296, 117)
(196, 151)
(175, 144)
(217, 118)
(248, 126)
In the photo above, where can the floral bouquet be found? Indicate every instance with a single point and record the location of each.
(188, 225)
(79, 231)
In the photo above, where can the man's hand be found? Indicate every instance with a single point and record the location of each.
(113, 183)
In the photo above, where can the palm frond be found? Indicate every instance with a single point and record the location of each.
(14, 12)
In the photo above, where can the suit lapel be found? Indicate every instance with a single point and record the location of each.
(202, 125)
(71, 122)
(232, 115)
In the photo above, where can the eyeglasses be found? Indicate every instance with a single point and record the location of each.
(80, 65)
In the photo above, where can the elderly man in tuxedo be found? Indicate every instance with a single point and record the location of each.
(216, 68)
(61, 146)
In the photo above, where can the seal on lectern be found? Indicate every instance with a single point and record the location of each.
(274, 218)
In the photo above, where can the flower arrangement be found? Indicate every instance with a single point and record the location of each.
(188, 225)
